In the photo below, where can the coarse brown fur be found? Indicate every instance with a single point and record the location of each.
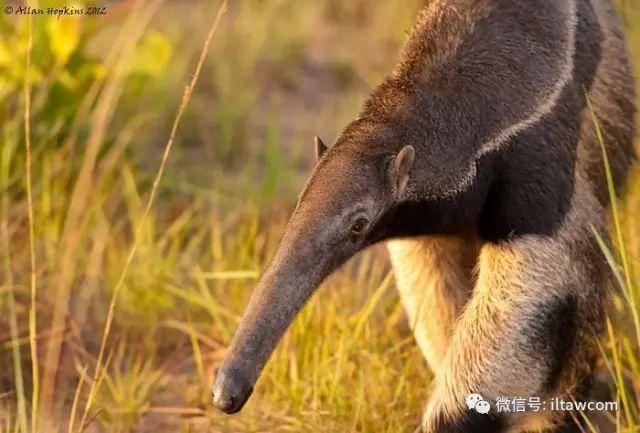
(479, 150)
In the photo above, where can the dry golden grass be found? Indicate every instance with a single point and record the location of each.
(125, 270)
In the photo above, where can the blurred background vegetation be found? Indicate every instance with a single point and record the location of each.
(104, 93)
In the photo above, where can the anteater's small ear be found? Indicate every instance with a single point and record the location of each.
(321, 148)
(400, 168)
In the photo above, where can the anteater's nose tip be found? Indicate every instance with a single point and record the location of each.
(223, 402)
(230, 392)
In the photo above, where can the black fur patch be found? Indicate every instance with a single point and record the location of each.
(551, 336)
(471, 422)
(535, 175)
(524, 188)
(453, 215)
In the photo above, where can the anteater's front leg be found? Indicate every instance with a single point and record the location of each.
(526, 332)
(434, 278)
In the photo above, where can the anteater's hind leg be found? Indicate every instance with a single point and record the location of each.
(434, 278)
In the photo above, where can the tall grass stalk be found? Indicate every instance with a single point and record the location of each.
(623, 277)
(627, 287)
(7, 154)
(77, 214)
(35, 374)
(154, 189)
(76, 399)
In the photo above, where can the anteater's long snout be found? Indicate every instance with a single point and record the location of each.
(285, 287)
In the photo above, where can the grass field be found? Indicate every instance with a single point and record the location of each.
(122, 283)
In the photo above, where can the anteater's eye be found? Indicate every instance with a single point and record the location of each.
(359, 225)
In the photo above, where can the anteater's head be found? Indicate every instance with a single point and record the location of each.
(352, 187)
